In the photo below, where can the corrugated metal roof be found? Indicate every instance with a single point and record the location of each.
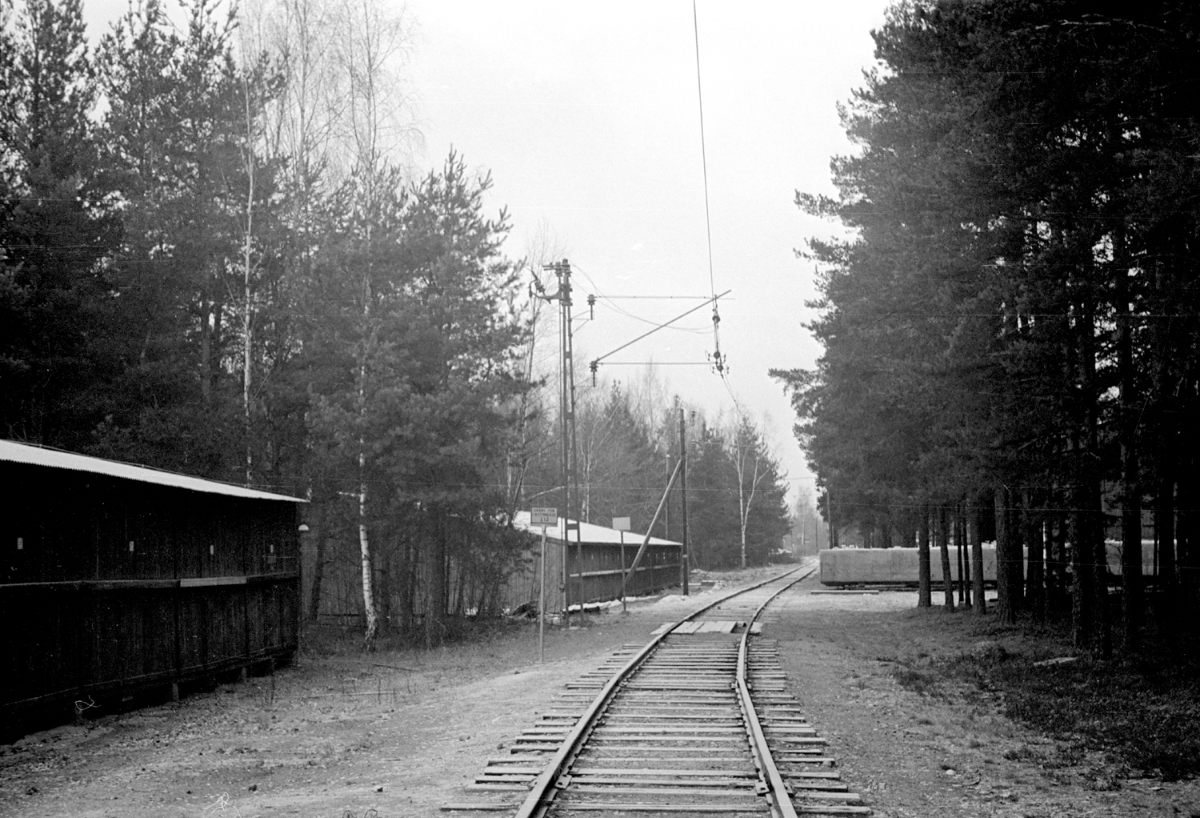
(14, 452)
(588, 532)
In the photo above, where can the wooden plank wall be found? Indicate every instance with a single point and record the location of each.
(602, 570)
(80, 641)
(111, 586)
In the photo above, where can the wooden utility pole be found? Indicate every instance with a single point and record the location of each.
(683, 550)
(562, 270)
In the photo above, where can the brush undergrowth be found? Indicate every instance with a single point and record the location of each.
(1142, 712)
(338, 640)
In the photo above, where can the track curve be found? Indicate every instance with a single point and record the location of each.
(696, 722)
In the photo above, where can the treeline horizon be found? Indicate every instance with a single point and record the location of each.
(211, 261)
(1011, 330)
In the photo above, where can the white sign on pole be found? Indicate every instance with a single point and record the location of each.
(622, 524)
(543, 516)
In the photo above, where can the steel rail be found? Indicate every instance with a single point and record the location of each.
(777, 789)
(537, 801)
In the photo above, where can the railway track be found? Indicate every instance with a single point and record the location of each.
(696, 722)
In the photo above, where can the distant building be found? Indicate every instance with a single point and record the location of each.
(599, 554)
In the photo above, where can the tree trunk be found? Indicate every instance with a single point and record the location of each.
(1131, 492)
(1056, 587)
(1083, 619)
(247, 370)
(1094, 547)
(1132, 594)
(319, 536)
(834, 540)
(408, 578)
(370, 612)
(943, 533)
(1089, 557)
(1164, 535)
(435, 614)
(1188, 536)
(459, 605)
(924, 595)
(247, 317)
(1168, 614)
(1008, 557)
(383, 559)
(978, 602)
(1035, 587)
(206, 354)
(964, 557)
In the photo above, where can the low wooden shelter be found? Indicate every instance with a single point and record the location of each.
(115, 578)
(596, 558)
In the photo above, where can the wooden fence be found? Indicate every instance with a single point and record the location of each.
(341, 583)
(602, 568)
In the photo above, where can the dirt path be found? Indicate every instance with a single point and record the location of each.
(395, 735)
(955, 754)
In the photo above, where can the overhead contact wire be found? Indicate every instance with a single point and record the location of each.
(712, 287)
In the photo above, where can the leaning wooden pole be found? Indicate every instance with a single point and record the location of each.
(637, 558)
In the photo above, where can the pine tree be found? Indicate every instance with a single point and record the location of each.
(1010, 255)
(198, 257)
(424, 405)
(55, 228)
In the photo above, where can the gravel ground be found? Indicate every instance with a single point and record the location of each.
(954, 754)
(398, 734)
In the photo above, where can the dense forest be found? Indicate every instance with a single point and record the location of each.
(214, 258)
(1010, 327)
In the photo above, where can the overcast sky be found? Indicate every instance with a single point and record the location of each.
(588, 118)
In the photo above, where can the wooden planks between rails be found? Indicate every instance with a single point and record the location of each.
(672, 741)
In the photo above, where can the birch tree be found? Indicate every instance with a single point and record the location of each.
(367, 44)
(758, 487)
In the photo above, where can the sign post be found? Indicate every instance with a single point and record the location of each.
(622, 524)
(542, 517)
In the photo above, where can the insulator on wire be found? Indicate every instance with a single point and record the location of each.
(718, 360)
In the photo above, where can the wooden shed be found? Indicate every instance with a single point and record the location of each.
(595, 562)
(116, 578)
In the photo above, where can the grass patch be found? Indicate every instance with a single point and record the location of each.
(920, 680)
(1143, 714)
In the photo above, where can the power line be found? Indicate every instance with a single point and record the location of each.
(600, 296)
(656, 297)
(596, 362)
(712, 287)
(649, 321)
(657, 363)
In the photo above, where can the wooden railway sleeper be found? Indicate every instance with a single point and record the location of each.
(556, 778)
